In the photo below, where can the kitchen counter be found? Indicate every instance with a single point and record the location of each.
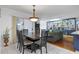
(76, 40)
(75, 33)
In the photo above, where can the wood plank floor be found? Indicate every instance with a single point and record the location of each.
(63, 44)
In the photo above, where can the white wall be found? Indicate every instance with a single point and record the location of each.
(6, 22)
(43, 24)
(27, 25)
(0, 31)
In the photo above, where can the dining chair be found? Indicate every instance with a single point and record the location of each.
(43, 40)
(18, 40)
(42, 43)
(25, 31)
(24, 42)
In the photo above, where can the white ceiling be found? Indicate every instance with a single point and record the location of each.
(48, 11)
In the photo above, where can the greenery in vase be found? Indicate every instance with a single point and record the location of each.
(6, 35)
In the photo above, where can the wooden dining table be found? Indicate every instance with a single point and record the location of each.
(34, 39)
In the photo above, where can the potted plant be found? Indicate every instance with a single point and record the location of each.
(6, 37)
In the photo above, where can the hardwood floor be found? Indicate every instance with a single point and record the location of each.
(63, 44)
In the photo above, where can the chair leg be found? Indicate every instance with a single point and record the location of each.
(17, 46)
(22, 50)
(31, 51)
(41, 50)
(34, 48)
(35, 51)
(46, 49)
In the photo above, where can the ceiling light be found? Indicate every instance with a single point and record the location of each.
(33, 18)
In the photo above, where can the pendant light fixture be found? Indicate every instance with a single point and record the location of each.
(33, 18)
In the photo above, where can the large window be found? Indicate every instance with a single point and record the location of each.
(66, 25)
(54, 24)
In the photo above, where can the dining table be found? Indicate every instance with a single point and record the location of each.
(33, 39)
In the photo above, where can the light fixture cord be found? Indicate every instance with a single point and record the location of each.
(33, 10)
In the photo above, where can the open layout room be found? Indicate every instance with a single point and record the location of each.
(39, 29)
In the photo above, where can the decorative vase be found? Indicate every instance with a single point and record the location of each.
(6, 42)
(6, 37)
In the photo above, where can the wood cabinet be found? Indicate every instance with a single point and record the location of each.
(68, 42)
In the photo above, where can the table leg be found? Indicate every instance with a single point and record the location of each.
(33, 48)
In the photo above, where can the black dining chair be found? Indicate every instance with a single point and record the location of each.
(43, 40)
(18, 40)
(42, 43)
(24, 42)
(25, 31)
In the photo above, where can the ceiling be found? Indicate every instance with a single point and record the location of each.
(48, 11)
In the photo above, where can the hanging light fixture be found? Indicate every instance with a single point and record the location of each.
(33, 18)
